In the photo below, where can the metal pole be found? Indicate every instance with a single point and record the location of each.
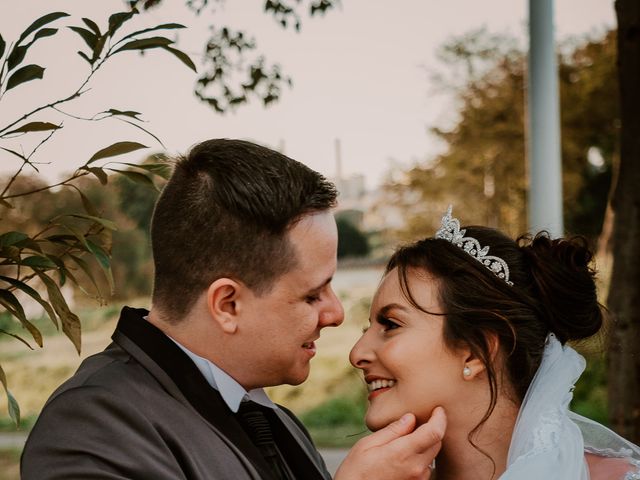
(545, 167)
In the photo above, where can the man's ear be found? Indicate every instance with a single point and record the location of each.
(222, 296)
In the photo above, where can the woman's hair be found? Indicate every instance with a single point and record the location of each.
(553, 291)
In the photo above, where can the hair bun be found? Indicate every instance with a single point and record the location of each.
(565, 282)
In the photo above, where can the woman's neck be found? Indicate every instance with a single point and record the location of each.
(461, 460)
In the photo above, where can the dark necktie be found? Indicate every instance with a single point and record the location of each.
(256, 424)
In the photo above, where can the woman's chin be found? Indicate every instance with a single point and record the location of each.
(375, 423)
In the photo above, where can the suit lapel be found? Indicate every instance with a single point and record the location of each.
(192, 385)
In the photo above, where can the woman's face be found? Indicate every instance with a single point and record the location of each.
(406, 365)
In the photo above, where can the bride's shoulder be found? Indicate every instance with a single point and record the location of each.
(607, 468)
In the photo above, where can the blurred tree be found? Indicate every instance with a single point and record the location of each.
(233, 71)
(351, 241)
(483, 169)
(44, 240)
(624, 300)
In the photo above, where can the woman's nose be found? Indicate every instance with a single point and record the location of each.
(361, 354)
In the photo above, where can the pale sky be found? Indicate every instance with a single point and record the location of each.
(359, 74)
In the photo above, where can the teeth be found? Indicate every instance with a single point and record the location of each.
(377, 384)
(307, 345)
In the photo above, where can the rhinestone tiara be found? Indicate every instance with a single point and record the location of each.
(450, 231)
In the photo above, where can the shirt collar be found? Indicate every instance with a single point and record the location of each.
(231, 391)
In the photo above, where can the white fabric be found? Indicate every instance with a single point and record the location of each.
(231, 391)
(549, 442)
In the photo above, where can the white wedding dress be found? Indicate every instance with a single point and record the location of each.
(549, 442)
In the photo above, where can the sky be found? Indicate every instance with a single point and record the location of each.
(361, 74)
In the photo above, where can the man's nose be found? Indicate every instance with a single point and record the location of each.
(333, 313)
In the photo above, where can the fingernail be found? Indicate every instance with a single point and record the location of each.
(405, 418)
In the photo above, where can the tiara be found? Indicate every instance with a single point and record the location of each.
(450, 231)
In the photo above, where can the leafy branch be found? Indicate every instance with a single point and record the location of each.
(73, 243)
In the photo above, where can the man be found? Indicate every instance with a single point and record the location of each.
(244, 246)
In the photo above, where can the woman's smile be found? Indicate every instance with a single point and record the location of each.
(377, 386)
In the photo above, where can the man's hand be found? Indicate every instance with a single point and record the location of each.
(396, 451)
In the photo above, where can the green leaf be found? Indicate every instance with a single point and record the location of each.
(108, 224)
(126, 113)
(19, 51)
(45, 32)
(5, 204)
(164, 26)
(100, 174)
(33, 294)
(88, 36)
(19, 155)
(41, 22)
(162, 170)
(78, 235)
(117, 19)
(38, 261)
(99, 47)
(136, 177)
(3, 44)
(17, 337)
(35, 127)
(141, 128)
(117, 148)
(92, 25)
(104, 261)
(11, 238)
(183, 57)
(85, 56)
(145, 43)
(87, 270)
(10, 253)
(30, 244)
(16, 56)
(13, 305)
(70, 321)
(14, 409)
(25, 74)
(86, 203)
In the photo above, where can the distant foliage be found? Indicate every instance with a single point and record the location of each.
(233, 70)
(483, 169)
(54, 234)
(351, 241)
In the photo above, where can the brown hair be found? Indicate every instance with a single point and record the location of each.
(225, 212)
(553, 291)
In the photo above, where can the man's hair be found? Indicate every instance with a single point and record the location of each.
(226, 212)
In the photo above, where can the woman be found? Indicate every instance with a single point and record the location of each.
(477, 323)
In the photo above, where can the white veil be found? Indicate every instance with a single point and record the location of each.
(548, 440)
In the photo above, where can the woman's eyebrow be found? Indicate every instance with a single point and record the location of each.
(392, 306)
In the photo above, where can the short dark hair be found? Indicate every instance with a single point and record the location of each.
(553, 290)
(225, 212)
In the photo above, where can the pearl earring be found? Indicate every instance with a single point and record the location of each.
(466, 371)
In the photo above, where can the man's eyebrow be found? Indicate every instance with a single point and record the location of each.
(322, 285)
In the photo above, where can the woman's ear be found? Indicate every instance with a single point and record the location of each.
(474, 365)
(222, 296)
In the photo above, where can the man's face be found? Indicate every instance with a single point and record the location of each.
(277, 330)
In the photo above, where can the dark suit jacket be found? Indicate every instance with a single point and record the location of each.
(142, 410)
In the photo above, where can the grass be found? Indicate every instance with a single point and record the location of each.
(333, 383)
(331, 402)
(10, 464)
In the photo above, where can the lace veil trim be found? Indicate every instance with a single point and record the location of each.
(548, 440)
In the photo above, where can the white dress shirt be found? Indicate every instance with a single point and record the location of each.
(231, 391)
